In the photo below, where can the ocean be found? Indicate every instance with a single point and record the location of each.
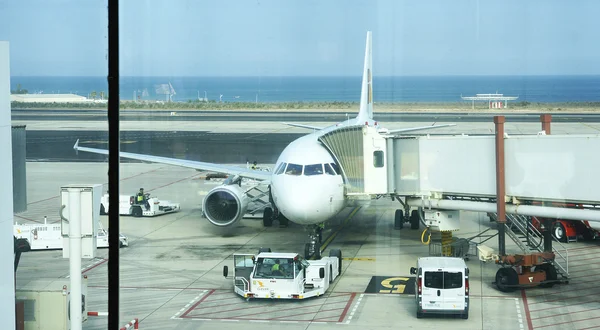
(326, 89)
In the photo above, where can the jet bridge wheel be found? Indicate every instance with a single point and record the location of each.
(399, 219)
(415, 219)
(551, 274)
(507, 279)
(268, 217)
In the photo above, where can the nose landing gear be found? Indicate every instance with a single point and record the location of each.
(315, 237)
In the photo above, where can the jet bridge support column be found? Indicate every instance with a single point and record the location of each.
(500, 188)
(547, 233)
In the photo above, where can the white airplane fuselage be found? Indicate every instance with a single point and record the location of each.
(306, 199)
(309, 199)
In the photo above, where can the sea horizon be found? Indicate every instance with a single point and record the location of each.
(393, 89)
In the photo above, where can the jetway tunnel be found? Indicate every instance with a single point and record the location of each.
(526, 175)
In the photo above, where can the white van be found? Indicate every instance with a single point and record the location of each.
(441, 286)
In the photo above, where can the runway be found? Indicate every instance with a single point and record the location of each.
(294, 115)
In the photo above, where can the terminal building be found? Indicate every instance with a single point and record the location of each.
(494, 100)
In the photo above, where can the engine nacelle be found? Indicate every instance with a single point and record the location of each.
(225, 205)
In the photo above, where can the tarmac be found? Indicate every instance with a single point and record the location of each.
(171, 273)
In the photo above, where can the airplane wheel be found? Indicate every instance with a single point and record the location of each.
(414, 219)
(307, 251)
(558, 231)
(551, 274)
(506, 279)
(317, 253)
(398, 219)
(283, 221)
(268, 217)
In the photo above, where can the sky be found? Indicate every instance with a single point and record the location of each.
(304, 37)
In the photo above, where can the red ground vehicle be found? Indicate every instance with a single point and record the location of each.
(570, 230)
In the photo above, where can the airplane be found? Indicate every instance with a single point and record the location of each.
(307, 185)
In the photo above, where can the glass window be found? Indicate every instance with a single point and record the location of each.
(328, 169)
(453, 280)
(443, 280)
(335, 168)
(278, 167)
(274, 268)
(378, 160)
(313, 169)
(434, 280)
(281, 168)
(293, 169)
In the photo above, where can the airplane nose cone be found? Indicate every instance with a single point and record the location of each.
(305, 202)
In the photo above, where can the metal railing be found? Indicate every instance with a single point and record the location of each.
(535, 240)
(244, 282)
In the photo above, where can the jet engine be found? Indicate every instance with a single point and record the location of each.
(225, 205)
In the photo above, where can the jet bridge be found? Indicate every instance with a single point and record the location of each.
(550, 176)
(443, 170)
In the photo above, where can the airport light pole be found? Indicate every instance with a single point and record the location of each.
(75, 257)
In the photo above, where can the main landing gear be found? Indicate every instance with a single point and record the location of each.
(270, 214)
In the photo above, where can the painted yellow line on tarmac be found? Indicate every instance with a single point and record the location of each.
(332, 236)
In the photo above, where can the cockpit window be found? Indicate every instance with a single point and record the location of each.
(293, 169)
(329, 170)
(281, 168)
(335, 168)
(313, 169)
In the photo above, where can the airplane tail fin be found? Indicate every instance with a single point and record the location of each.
(366, 96)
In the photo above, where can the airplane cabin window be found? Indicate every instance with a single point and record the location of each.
(378, 158)
(294, 169)
(313, 169)
(328, 169)
(281, 168)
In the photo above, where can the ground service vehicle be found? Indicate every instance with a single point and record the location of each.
(569, 230)
(442, 286)
(283, 275)
(48, 236)
(128, 206)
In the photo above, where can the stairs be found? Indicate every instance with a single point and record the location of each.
(258, 198)
(528, 238)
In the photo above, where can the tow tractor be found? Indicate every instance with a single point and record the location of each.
(151, 207)
(275, 275)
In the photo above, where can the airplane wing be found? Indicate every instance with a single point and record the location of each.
(410, 129)
(304, 126)
(227, 169)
